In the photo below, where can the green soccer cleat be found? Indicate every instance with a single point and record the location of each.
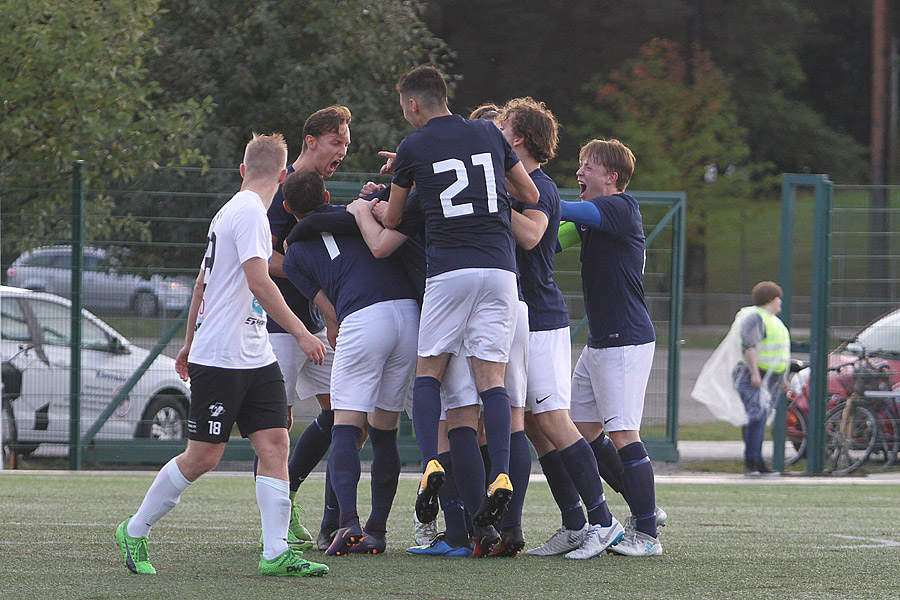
(289, 564)
(292, 541)
(134, 551)
(296, 527)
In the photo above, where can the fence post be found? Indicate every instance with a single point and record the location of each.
(75, 341)
(819, 327)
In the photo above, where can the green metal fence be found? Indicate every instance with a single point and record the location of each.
(855, 249)
(140, 250)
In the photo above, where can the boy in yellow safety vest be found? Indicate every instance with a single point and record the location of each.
(760, 374)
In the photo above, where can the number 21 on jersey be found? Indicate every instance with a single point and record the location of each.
(482, 160)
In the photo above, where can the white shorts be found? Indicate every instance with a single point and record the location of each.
(549, 370)
(458, 384)
(302, 378)
(470, 312)
(609, 384)
(375, 360)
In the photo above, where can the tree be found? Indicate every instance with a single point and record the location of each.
(678, 118)
(75, 87)
(268, 65)
(794, 113)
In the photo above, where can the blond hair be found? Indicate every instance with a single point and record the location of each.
(612, 154)
(265, 156)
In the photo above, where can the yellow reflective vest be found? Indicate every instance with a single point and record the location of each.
(773, 352)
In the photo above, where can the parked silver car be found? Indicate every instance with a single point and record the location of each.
(105, 287)
(35, 329)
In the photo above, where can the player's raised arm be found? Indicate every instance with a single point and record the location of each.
(381, 241)
(528, 227)
(394, 214)
(520, 186)
(269, 297)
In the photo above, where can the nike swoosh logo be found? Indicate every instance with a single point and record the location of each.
(539, 400)
(608, 420)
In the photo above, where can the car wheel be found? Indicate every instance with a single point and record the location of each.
(164, 419)
(145, 304)
(9, 436)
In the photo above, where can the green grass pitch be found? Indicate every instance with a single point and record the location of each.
(724, 541)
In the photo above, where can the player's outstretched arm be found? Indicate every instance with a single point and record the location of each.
(269, 297)
(582, 213)
(181, 361)
(520, 186)
(382, 242)
(528, 227)
(394, 214)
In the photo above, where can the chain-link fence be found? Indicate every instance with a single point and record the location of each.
(143, 243)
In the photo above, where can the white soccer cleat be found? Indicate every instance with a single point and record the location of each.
(661, 518)
(638, 543)
(425, 532)
(597, 539)
(564, 540)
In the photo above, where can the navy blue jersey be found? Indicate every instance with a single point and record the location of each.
(281, 222)
(612, 275)
(340, 222)
(546, 306)
(459, 168)
(343, 267)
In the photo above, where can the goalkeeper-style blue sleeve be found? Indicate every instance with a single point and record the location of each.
(581, 213)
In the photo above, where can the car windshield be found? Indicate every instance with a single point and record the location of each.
(882, 337)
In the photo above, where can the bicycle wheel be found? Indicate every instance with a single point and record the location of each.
(849, 438)
(888, 437)
(795, 449)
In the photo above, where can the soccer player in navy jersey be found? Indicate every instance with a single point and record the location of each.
(326, 138)
(532, 131)
(373, 303)
(461, 169)
(611, 375)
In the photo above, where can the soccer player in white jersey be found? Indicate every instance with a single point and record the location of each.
(233, 372)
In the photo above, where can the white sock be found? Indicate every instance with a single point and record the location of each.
(163, 496)
(273, 497)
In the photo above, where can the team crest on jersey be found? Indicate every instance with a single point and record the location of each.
(216, 409)
(256, 308)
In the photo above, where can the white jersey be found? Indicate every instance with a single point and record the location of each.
(231, 325)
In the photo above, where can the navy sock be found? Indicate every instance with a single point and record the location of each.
(486, 458)
(455, 529)
(331, 512)
(469, 469)
(608, 462)
(311, 447)
(637, 477)
(582, 467)
(343, 463)
(563, 490)
(426, 415)
(519, 471)
(495, 402)
(385, 473)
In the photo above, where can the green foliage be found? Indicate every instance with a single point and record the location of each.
(677, 116)
(268, 65)
(75, 87)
